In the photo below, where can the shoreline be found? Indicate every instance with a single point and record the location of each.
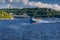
(24, 17)
(7, 18)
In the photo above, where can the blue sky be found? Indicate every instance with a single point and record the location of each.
(54, 4)
(48, 1)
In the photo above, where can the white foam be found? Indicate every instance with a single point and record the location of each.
(48, 21)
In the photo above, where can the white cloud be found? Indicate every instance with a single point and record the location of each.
(18, 1)
(45, 5)
(30, 3)
(25, 1)
(11, 0)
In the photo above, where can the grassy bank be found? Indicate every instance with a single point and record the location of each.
(5, 15)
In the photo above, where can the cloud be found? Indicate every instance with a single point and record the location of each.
(44, 5)
(27, 3)
(18, 1)
(11, 0)
(2, 1)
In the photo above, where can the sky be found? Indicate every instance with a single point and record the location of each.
(48, 1)
(53, 4)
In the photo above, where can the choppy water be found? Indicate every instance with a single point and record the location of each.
(22, 29)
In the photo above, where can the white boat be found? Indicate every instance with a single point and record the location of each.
(39, 20)
(34, 20)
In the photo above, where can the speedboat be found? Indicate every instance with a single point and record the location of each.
(35, 20)
(39, 20)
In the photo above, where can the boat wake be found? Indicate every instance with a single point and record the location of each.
(39, 22)
(43, 21)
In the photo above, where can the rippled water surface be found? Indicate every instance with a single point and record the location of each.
(22, 29)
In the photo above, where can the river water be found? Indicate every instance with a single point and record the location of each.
(22, 29)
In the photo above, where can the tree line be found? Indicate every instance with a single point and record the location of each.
(34, 12)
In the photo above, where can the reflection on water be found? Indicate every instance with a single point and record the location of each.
(22, 29)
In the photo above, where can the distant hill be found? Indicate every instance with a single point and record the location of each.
(34, 12)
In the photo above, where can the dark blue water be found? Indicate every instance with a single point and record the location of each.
(22, 29)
